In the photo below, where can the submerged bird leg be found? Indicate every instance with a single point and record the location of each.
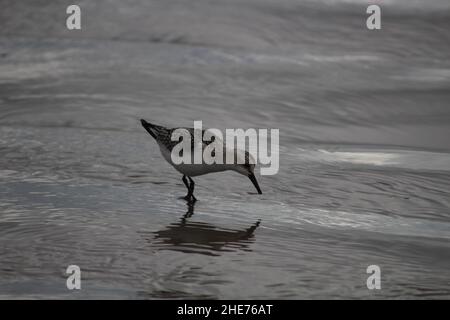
(189, 212)
(191, 191)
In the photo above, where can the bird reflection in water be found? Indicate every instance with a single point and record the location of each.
(204, 238)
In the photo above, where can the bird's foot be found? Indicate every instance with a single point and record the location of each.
(190, 198)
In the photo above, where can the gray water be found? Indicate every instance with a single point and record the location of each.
(364, 149)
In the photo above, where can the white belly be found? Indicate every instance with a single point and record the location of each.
(193, 170)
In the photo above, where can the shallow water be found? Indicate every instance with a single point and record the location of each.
(364, 151)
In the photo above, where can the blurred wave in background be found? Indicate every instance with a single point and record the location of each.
(364, 123)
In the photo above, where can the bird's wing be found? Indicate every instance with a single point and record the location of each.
(166, 138)
(204, 143)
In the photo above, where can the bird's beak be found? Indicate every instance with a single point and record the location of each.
(255, 183)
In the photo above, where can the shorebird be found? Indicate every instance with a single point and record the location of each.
(163, 135)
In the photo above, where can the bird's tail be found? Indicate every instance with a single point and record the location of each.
(153, 129)
(149, 127)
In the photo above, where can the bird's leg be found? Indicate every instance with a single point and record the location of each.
(188, 196)
(191, 191)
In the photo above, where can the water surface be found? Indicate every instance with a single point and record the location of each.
(364, 151)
